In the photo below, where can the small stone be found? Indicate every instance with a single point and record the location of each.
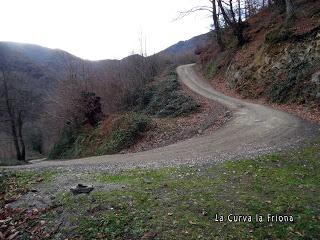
(149, 235)
(316, 78)
(80, 188)
(40, 179)
(148, 181)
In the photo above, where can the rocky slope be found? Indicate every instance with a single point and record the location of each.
(278, 65)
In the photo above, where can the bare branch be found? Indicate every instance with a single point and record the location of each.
(193, 10)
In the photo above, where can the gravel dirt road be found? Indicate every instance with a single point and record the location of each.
(254, 129)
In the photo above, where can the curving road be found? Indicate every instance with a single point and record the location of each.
(253, 129)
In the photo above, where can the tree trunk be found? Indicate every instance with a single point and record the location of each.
(23, 147)
(11, 114)
(15, 139)
(238, 32)
(289, 10)
(237, 27)
(280, 4)
(217, 25)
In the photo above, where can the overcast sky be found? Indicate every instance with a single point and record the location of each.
(100, 29)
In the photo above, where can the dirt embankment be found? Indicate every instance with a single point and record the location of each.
(278, 66)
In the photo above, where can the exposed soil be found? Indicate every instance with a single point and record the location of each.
(308, 113)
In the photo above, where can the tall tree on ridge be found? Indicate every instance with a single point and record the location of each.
(233, 18)
(213, 10)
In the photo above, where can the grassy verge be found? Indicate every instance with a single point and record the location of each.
(183, 203)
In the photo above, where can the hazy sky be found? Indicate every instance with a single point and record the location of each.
(100, 29)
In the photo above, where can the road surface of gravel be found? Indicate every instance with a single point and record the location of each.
(254, 129)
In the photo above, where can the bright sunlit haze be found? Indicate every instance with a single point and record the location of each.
(100, 29)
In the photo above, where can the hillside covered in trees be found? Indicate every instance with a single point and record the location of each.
(49, 94)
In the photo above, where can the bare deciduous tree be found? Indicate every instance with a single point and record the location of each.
(212, 8)
(17, 104)
(232, 14)
(115, 82)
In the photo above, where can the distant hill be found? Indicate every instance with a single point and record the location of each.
(188, 46)
(41, 56)
(44, 66)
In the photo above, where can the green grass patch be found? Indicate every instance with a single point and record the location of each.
(182, 203)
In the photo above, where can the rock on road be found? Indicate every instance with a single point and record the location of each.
(254, 129)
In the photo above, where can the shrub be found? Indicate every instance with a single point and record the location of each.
(279, 92)
(124, 133)
(164, 99)
(278, 35)
(88, 112)
(292, 89)
(64, 144)
(89, 108)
